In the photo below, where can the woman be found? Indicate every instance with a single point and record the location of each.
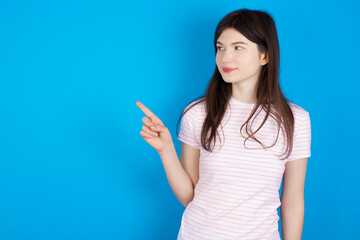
(230, 187)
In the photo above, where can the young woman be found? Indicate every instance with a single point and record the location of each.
(239, 141)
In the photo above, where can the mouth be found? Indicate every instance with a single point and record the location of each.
(227, 70)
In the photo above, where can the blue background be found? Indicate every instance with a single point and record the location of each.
(72, 162)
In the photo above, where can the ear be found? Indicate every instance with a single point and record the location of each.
(264, 58)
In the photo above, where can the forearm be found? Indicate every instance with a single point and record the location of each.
(180, 182)
(292, 219)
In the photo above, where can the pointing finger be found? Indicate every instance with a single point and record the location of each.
(148, 113)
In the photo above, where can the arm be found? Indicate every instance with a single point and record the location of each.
(292, 199)
(182, 179)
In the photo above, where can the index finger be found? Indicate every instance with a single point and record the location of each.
(148, 113)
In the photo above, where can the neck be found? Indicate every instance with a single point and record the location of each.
(245, 90)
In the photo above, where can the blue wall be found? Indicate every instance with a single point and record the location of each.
(72, 162)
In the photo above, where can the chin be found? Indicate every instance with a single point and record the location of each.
(228, 80)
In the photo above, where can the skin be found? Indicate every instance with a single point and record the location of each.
(154, 131)
(180, 174)
(246, 58)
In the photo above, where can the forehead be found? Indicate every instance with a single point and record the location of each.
(230, 35)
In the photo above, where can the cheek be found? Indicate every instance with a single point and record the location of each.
(243, 58)
(246, 61)
(252, 58)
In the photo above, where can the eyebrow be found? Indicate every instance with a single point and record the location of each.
(234, 43)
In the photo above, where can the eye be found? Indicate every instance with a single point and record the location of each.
(238, 47)
(218, 47)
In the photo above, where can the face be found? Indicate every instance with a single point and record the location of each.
(237, 58)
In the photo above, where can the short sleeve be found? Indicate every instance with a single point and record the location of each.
(302, 139)
(188, 128)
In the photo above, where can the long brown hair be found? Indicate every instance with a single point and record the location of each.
(258, 27)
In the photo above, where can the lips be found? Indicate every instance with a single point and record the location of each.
(228, 69)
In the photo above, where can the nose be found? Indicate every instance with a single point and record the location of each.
(226, 56)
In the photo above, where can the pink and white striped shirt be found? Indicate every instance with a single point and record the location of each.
(237, 195)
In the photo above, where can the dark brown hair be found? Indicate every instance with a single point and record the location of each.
(258, 27)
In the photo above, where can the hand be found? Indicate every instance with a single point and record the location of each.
(154, 132)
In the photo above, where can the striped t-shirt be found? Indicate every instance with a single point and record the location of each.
(237, 194)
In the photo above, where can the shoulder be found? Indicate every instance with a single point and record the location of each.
(302, 123)
(196, 107)
(299, 113)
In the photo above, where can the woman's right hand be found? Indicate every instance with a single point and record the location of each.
(154, 132)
